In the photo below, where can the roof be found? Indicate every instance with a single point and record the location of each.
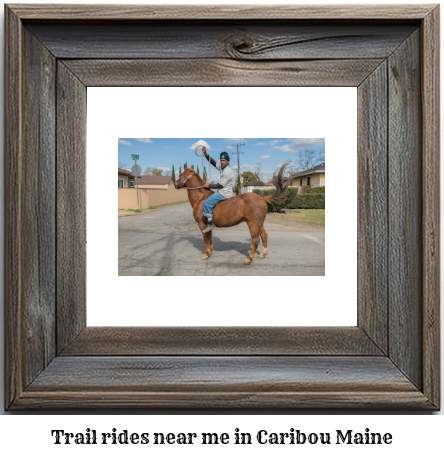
(270, 184)
(255, 184)
(125, 172)
(316, 169)
(154, 180)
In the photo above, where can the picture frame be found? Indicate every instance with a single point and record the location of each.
(389, 360)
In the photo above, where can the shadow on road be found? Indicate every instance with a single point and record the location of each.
(221, 246)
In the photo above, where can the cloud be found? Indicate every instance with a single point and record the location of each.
(265, 156)
(229, 147)
(274, 141)
(201, 142)
(255, 167)
(300, 143)
(164, 169)
(260, 144)
(122, 141)
(234, 139)
(144, 140)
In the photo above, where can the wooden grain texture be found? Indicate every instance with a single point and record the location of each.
(221, 72)
(236, 40)
(39, 207)
(209, 373)
(234, 382)
(13, 208)
(373, 207)
(224, 12)
(242, 402)
(431, 205)
(405, 207)
(71, 206)
(127, 341)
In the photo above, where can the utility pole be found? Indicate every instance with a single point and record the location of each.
(238, 165)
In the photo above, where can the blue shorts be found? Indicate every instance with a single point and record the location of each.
(209, 203)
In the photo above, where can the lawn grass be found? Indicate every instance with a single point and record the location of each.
(167, 204)
(316, 216)
(152, 207)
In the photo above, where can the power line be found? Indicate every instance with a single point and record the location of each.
(238, 164)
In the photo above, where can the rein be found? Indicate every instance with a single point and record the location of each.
(203, 166)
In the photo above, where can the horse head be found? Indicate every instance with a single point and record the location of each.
(183, 178)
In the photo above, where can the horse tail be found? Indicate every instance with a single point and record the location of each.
(278, 197)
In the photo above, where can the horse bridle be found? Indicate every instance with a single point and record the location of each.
(182, 185)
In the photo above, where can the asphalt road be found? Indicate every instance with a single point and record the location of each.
(167, 242)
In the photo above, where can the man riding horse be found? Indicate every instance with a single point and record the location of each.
(248, 207)
(224, 187)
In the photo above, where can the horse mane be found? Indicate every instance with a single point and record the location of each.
(201, 182)
(278, 197)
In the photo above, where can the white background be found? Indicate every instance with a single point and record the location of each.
(412, 433)
(271, 112)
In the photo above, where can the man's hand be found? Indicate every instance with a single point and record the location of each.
(204, 150)
(207, 185)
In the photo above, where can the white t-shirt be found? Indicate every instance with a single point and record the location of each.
(225, 179)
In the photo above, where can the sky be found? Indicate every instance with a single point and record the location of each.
(262, 155)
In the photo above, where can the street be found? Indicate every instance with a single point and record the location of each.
(168, 242)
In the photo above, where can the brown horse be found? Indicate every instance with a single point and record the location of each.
(249, 207)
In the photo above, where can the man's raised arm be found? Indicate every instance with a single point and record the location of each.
(212, 160)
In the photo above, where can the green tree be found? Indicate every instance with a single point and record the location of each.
(172, 172)
(180, 170)
(198, 170)
(152, 172)
(205, 177)
(249, 176)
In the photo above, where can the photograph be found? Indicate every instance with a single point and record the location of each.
(212, 206)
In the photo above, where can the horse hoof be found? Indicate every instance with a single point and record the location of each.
(246, 262)
(261, 256)
(205, 256)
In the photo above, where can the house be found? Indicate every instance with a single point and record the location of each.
(126, 178)
(256, 185)
(159, 182)
(313, 177)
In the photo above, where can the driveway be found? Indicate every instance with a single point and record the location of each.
(167, 242)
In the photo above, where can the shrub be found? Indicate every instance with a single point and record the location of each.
(316, 190)
(308, 201)
(291, 193)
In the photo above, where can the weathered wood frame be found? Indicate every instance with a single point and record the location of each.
(390, 360)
